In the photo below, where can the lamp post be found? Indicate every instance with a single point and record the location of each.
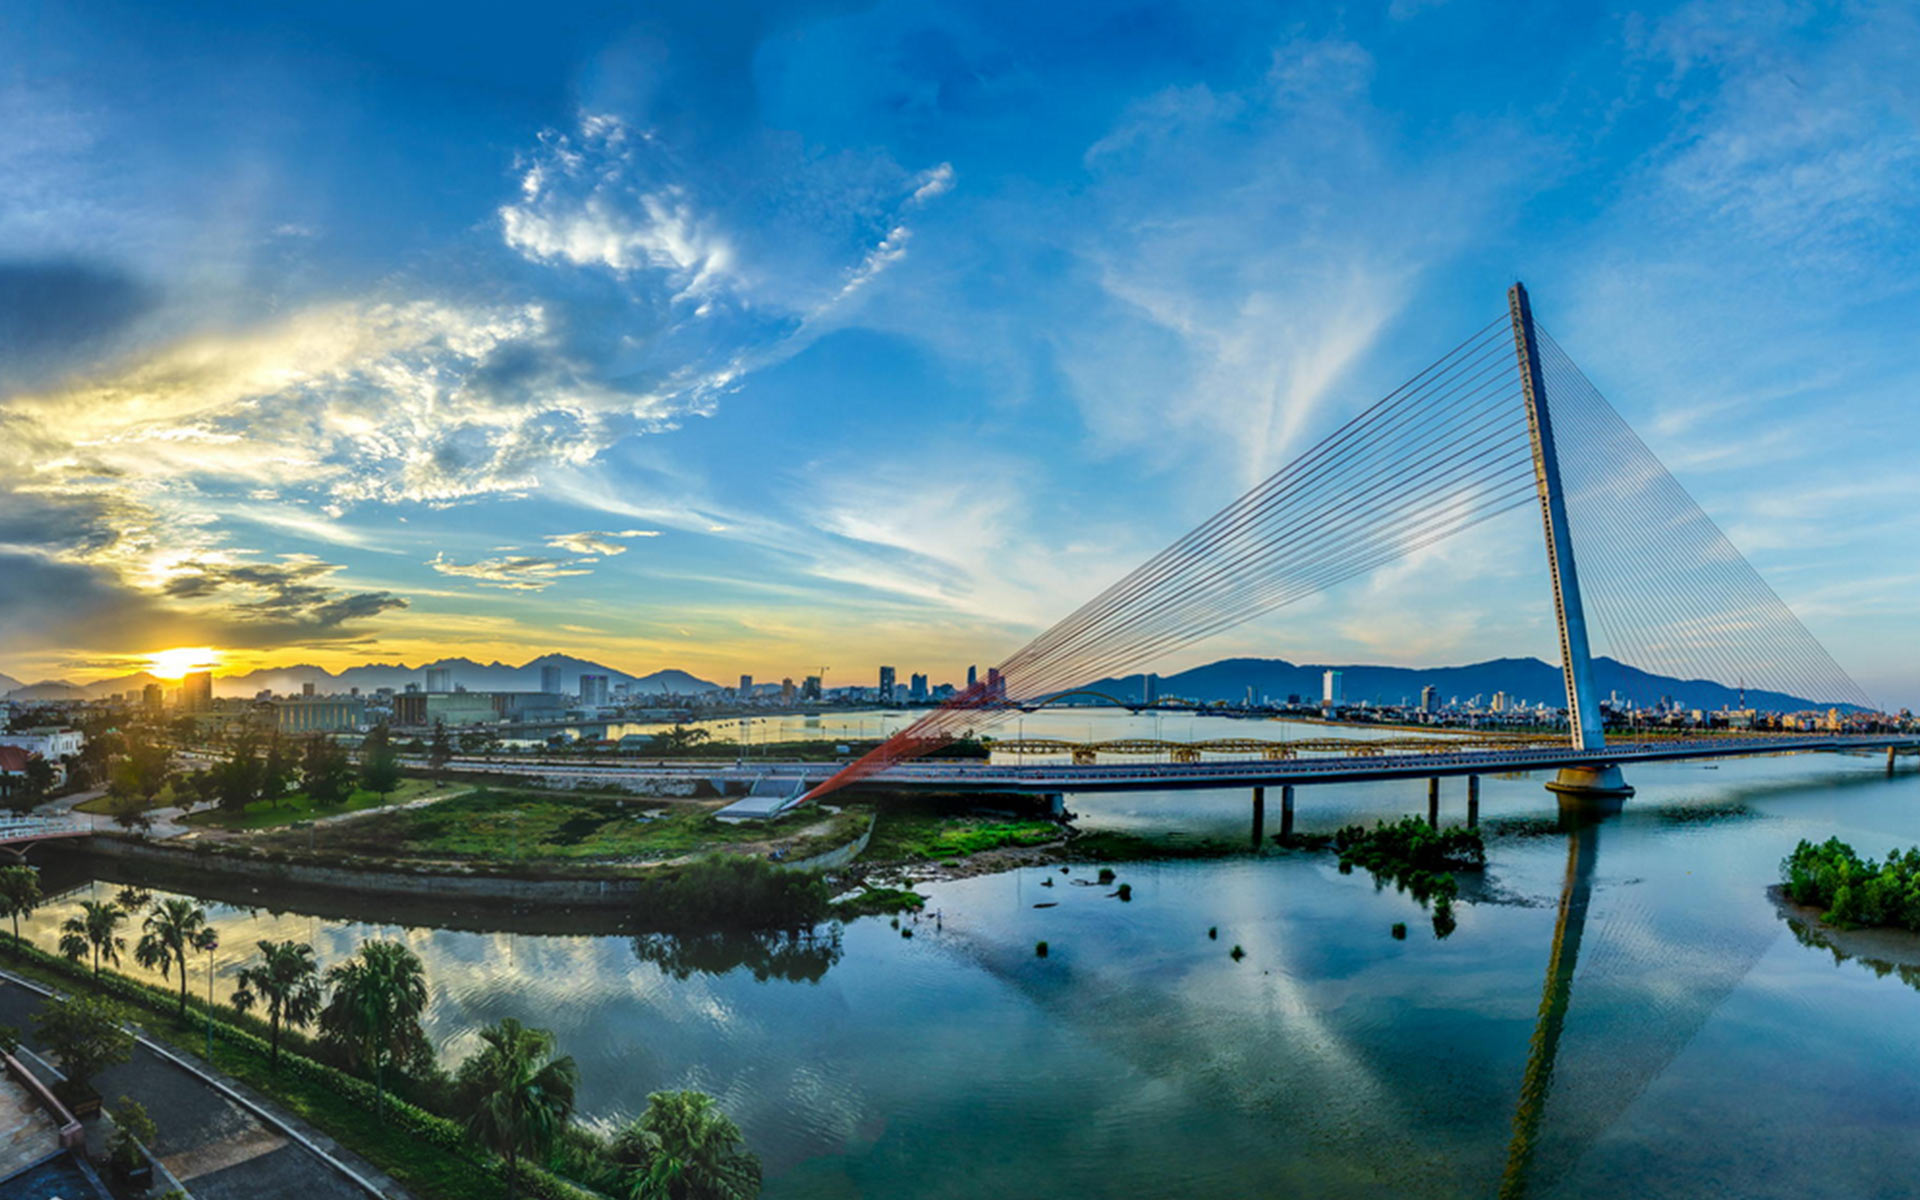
(209, 941)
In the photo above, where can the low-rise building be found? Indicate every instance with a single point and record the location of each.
(319, 714)
(51, 742)
(447, 708)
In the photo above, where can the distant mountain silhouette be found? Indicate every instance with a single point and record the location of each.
(478, 677)
(1522, 679)
(8, 683)
(1526, 679)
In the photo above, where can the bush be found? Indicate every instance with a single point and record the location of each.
(1413, 855)
(730, 891)
(1852, 891)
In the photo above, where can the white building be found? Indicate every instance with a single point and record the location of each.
(1332, 694)
(50, 742)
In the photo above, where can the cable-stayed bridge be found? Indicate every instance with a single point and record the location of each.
(1503, 420)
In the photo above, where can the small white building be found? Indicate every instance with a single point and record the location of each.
(51, 742)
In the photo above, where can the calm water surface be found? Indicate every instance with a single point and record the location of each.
(1704, 1051)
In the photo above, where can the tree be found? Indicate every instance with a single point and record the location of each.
(519, 1095)
(19, 895)
(95, 931)
(374, 1012)
(277, 769)
(379, 763)
(325, 774)
(39, 779)
(133, 1130)
(143, 771)
(680, 738)
(286, 982)
(238, 778)
(684, 1148)
(440, 752)
(172, 928)
(87, 1034)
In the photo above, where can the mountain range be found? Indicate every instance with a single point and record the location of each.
(1526, 679)
(464, 672)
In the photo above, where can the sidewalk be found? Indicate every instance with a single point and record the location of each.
(220, 1149)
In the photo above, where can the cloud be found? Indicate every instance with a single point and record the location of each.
(595, 542)
(523, 573)
(596, 198)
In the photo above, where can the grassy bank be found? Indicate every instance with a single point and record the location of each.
(429, 1154)
(509, 826)
(270, 814)
(908, 834)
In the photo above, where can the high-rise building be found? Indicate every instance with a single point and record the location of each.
(154, 697)
(1149, 688)
(886, 684)
(786, 691)
(996, 686)
(810, 688)
(550, 680)
(917, 688)
(439, 679)
(1332, 691)
(1429, 699)
(306, 689)
(973, 676)
(593, 690)
(196, 692)
(746, 687)
(1499, 702)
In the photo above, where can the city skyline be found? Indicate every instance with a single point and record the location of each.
(691, 350)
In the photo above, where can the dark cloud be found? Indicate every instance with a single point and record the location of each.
(52, 312)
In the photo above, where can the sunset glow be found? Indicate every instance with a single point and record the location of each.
(172, 664)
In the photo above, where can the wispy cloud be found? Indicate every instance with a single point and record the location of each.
(521, 573)
(595, 542)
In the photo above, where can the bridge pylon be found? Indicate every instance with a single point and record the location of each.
(1601, 783)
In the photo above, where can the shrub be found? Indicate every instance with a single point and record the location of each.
(730, 891)
(1855, 891)
(1039, 949)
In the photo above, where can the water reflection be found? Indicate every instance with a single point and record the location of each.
(793, 957)
(1569, 927)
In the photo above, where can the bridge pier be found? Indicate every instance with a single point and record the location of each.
(1286, 812)
(1259, 816)
(1473, 802)
(1890, 752)
(1433, 802)
(1598, 789)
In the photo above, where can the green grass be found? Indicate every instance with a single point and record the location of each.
(904, 833)
(267, 814)
(505, 825)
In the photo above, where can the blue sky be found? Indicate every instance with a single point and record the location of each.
(756, 338)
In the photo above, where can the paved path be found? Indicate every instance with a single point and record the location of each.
(217, 1148)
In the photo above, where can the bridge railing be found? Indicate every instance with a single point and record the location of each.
(17, 828)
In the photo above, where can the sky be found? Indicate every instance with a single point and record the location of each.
(761, 338)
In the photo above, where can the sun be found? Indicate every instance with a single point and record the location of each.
(172, 664)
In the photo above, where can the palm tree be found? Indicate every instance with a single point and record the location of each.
(684, 1148)
(287, 982)
(521, 1096)
(375, 1009)
(95, 931)
(19, 895)
(173, 927)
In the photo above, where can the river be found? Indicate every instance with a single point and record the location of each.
(1702, 1050)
